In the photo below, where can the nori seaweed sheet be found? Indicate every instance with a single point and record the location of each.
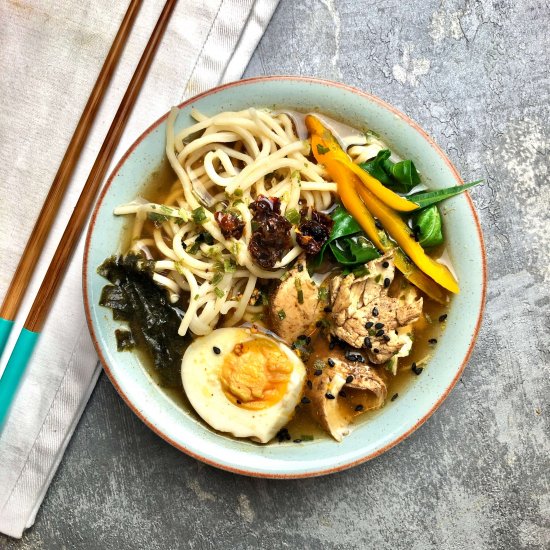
(153, 321)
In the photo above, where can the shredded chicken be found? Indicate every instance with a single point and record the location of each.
(343, 392)
(365, 316)
(294, 305)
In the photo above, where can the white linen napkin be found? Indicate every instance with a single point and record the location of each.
(50, 54)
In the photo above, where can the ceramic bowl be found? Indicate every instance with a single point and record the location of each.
(379, 431)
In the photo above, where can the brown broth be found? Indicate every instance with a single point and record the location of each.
(155, 189)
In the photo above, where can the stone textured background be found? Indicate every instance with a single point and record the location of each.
(475, 75)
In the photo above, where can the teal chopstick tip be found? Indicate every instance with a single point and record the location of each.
(5, 330)
(14, 370)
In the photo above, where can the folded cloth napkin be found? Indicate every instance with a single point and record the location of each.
(50, 54)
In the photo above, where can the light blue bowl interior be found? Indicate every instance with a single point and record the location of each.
(379, 430)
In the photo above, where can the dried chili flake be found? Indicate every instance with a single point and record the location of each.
(312, 234)
(230, 224)
(270, 239)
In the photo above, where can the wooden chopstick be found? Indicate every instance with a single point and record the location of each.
(41, 305)
(23, 273)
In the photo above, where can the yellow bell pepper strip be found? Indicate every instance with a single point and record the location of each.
(346, 182)
(326, 149)
(400, 232)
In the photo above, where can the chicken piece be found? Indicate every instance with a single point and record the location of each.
(294, 305)
(343, 392)
(365, 316)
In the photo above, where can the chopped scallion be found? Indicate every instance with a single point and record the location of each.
(199, 215)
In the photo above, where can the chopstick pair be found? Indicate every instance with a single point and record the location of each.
(28, 337)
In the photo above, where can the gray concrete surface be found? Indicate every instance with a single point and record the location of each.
(475, 75)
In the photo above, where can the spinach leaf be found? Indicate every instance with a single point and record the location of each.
(427, 226)
(375, 167)
(347, 241)
(399, 176)
(344, 223)
(352, 250)
(427, 198)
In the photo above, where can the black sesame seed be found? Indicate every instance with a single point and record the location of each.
(369, 325)
(300, 267)
(375, 350)
(318, 372)
(368, 343)
(385, 264)
(216, 350)
(318, 324)
(379, 332)
(375, 312)
(432, 341)
(387, 282)
(302, 337)
(349, 379)
(308, 340)
(283, 435)
(329, 396)
(306, 400)
(342, 393)
(379, 325)
(183, 245)
(386, 338)
(378, 224)
(298, 440)
(309, 384)
(332, 345)
(331, 362)
(442, 318)
(327, 309)
(394, 396)
(416, 370)
(359, 408)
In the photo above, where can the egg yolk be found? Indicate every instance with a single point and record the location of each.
(255, 374)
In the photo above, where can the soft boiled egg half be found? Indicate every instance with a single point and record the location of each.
(243, 382)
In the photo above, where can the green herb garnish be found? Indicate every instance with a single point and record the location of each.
(293, 216)
(300, 292)
(229, 266)
(194, 248)
(321, 149)
(157, 218)
(323, 294)
(219, 292)
(217, 278)
(198, 215)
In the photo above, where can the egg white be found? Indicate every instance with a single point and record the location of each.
(201, 371)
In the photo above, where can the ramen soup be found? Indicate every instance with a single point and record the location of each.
(282, 274)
